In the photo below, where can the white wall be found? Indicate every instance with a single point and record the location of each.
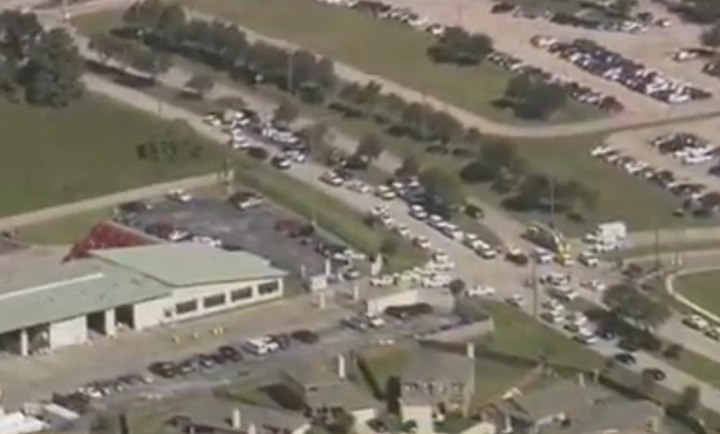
(149, 313)
(68, 332)
(401, 298)
(199, 293)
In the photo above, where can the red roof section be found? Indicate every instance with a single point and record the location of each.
(108, 235)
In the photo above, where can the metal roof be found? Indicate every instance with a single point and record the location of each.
(188, 264)
(69, 290)
(561, 396)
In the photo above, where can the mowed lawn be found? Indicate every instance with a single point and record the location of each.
(702, 289)
(56, 156)
(383, 48)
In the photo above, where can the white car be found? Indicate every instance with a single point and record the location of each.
(481, 291)
(180, 196)
(418, 212)
(594, 285)
(588, 259)
(516, 300)
(696, 322)
(423, 243)
(332, 179)
(381, 281)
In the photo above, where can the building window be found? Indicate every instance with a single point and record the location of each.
(268, 288)
(241, 294)
(214, 301)
(186, 307)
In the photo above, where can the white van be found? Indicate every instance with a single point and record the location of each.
(260, 346)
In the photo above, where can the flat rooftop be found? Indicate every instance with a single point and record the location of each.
(61, 291)
(188, 263)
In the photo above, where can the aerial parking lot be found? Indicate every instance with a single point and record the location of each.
(682, 159)
(246, 222)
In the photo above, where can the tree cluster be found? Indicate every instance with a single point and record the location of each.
(500, 165)
(630, 304)
(535, 99)
(175, 142)
(166, 28)
(699, 11)
(43, 66)
(459, 47)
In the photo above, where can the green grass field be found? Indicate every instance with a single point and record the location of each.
(702, 289)
(57, 156)
(378, 47)
(66, 230)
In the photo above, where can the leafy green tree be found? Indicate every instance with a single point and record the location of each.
(456, 45)
(201, 84)
(443, 184)
(286, 112)
(20, 34)
(689, 400)
(444, 127)
(152, 63)
(53, 70)
(370, 147)
(629, 303)
(410, 167)
(316, 135)
(533, 98)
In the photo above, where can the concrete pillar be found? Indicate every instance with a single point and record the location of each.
(236, 420)
(110, 322)
(322, 302)
(356, 293)
(470, 350)
(342, 370)
(328, 268)
(24, 345)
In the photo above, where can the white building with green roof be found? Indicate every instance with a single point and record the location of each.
(129, 288)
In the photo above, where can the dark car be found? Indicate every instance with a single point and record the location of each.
(305, 336)
(230, 353)
(655, 373)
(282, 340)
(625, 358)
(163, 369)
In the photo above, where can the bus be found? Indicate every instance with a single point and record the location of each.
(551, 239)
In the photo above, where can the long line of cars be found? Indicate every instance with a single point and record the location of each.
(603, 62)
(228, 354)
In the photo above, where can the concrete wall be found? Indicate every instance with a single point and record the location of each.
(150, 313)
(68, 332)
(199, 293)
(463, 333)
(438, 298)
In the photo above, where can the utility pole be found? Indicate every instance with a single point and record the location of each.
(552, 202)
(656, 233)
(290, 74)
(535, 289)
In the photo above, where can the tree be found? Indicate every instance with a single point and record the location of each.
(368, 96)
(315, 135)
(444, 185)
(104, 44)
(286, 112)
(150, 62)
(629, 303)
(689, 400)
(444, 127)
(458, 46)
(410, 167)
(457, 286)
(533, 98)
(647, 382)
(370, 147)
(53, 70)
(170, 26)
(498, 161)
(143, 14)
(393, 105)
(20, 34)
(201, 84)
(342, 422)
(624, 8)
(472, 136)
(711, 36)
